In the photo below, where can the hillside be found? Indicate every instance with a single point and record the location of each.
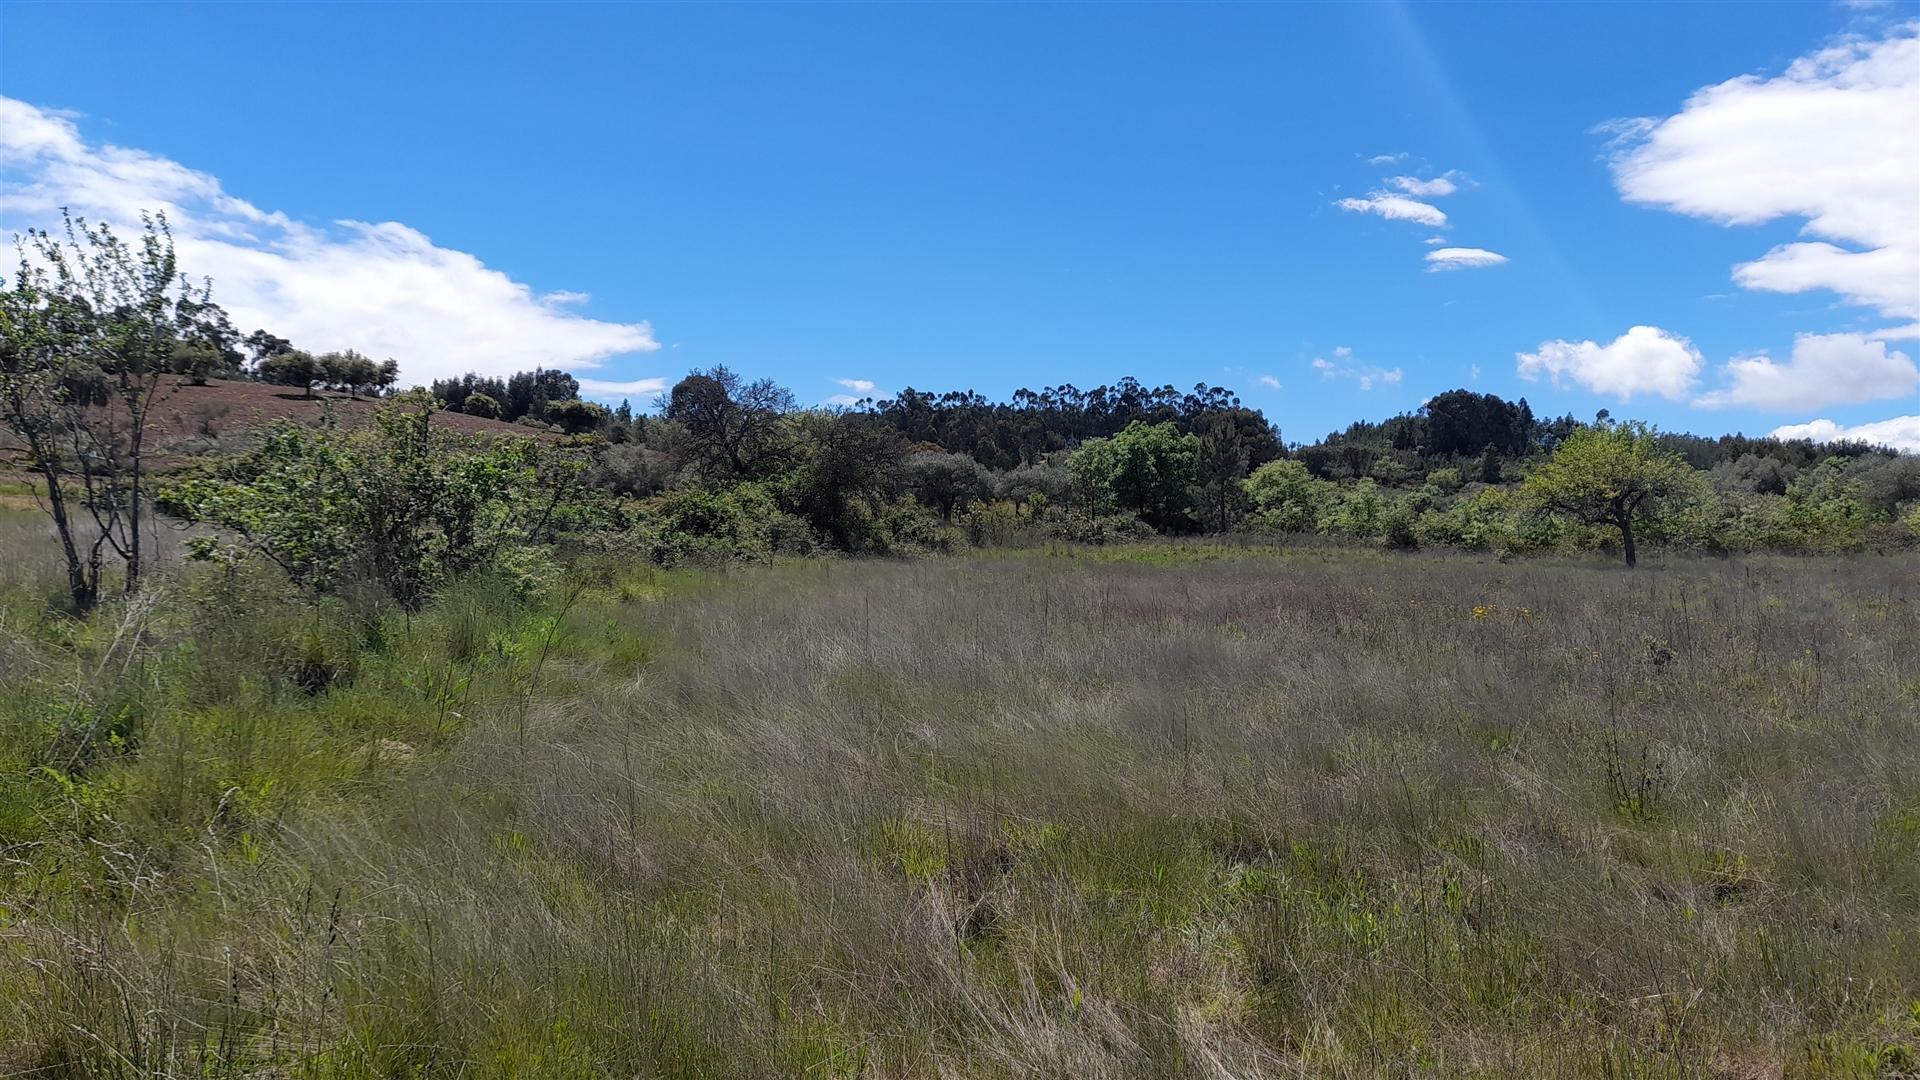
(222, 407)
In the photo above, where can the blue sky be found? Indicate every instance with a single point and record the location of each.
(995, 196)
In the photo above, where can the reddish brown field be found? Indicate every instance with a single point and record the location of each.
(220, 407)
(183, 415)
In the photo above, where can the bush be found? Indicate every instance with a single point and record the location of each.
(1397, 527)
(403, 506)
(630, 469)
(1083, 528)
(1286, 497)
(997, 524)
(718, 525)
(481, 405)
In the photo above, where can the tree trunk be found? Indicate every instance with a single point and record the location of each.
(1626, 539)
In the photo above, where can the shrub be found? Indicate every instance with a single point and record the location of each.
(403, 505)
(717, 525)
(481, 405)
(1285, 497)
(1083, 528)
(997, 524)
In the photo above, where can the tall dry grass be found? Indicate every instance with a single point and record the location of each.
(1157, 812)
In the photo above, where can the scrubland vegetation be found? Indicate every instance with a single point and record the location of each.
(1147, 811)
(403, 750)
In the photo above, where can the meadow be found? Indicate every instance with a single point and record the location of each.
(1143, 811)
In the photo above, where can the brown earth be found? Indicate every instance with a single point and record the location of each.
(184, 416)
(220, 407)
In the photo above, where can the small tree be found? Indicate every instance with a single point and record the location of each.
(733, 428)
(88, 331)
(1146, 469)
(576, 417)
(946, 481)
(1220, 464)
(481, 405)
(1609, 474)
(402, 504)
(294, 367)
(1287, 495)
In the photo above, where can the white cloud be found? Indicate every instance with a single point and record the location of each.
(1270, 382)
(604, 390)
(1433, 240)
(1834, 140)
(1909, 332)
(382, 288)
(1396, 208)
(1366, 376)
(1460, 258)
(1825, 369)
(1900, 432)
(1386, 159)
(864, 386)
(1645, 359)
(1412, 185)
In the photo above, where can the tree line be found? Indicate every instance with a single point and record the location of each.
(94, 331)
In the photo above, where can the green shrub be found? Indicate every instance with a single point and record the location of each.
(1083, 528)
(718, 525)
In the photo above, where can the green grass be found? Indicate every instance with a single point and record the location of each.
(1153, 811)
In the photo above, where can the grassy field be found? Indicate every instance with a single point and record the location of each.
(1142, 812)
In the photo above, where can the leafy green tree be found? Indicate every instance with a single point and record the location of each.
(1145, 469)
(88, 331)
(1286, 495)
(847, 467)
(1610, 474)
(1034, 486)
(576, 417)
(195, 363)
(347, 371)
(1358, 513)
(402, 504)
(1826, 509)
(528, 392)
(262, 345)
(947, 481)
(481, 405)
(295, 367)
(1219, 465)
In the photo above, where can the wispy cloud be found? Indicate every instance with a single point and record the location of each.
(1463, 258)
(1366, 376)
(382, 288)
(864, 386)
(1396, 208)
(604, 390)
(1436, 187)
(1387, 159)
(1270, 382)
